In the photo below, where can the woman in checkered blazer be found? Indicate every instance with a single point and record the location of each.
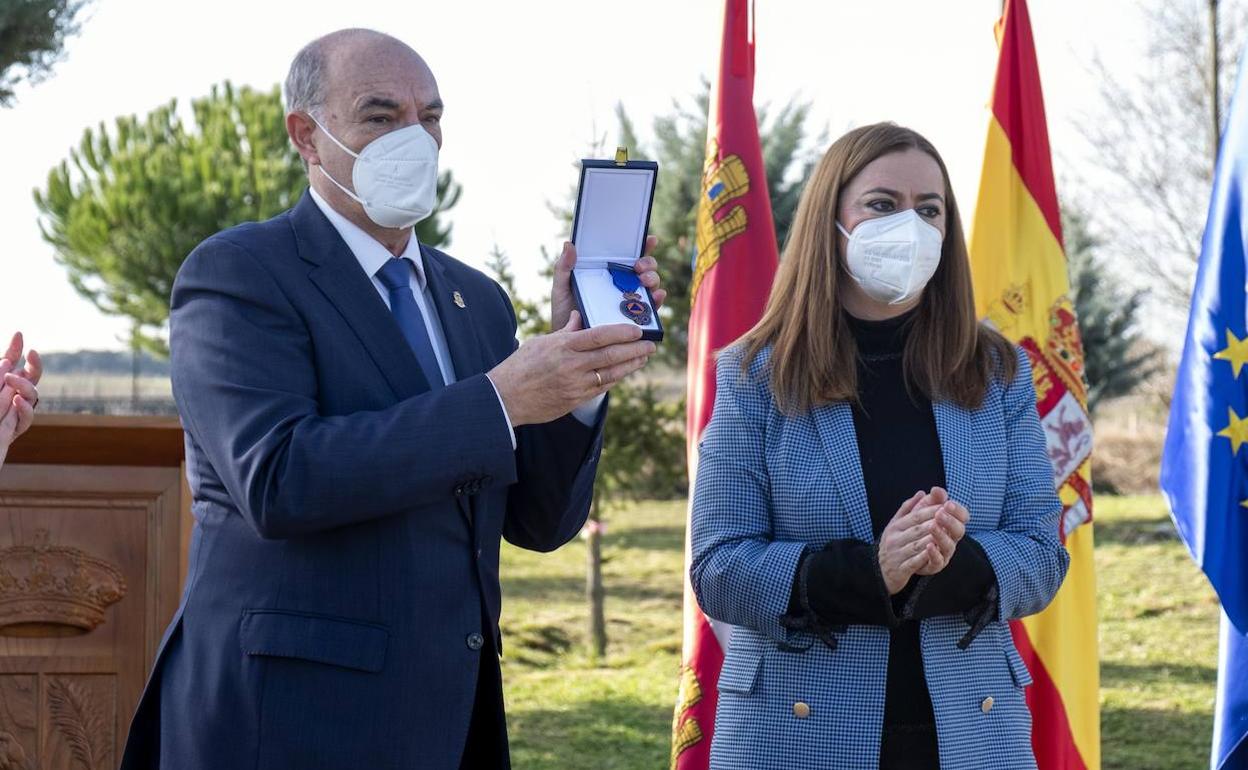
(874, 501)
(18, 394)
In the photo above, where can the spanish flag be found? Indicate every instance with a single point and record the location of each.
(734, 265)
(1021, 287)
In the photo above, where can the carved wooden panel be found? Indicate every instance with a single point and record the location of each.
(79, 722)
(90, 571)
(48, 589)
(19, 722)
(67, 722)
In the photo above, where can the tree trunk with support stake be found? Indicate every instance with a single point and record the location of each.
(594, 591)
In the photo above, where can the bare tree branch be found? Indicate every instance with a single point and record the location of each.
(1150, 172)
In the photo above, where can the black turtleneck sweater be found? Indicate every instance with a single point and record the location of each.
(900, 453)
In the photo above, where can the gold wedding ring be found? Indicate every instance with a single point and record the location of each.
(599, 376)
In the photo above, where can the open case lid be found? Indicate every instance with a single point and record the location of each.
(613, 211)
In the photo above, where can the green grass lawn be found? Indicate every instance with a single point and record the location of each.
(1158, 644)
(1159, 641)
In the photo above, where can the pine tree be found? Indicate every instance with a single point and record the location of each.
(32, 39)
(1116, 358)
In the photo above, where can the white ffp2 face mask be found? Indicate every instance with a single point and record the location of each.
(395, 176)
(893, 257)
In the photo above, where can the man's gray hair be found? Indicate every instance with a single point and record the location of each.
(305, 83)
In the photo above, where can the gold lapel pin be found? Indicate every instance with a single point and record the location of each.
(459, 299)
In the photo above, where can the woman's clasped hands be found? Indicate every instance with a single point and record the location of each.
(921, 537)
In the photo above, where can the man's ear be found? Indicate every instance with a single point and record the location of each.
(300, 127)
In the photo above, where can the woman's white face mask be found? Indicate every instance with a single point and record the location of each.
(395, 176)
(893, 257)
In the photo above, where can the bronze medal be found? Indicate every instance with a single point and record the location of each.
(635, 308)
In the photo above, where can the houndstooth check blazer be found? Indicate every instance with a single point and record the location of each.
(770, 487)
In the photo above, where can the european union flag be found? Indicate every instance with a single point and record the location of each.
(1204, 469)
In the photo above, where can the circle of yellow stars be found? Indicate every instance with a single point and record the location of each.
(1236, 354)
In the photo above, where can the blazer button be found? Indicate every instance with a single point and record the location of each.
(986, 706)
(475, 641)
(459, 491)
(801, 710)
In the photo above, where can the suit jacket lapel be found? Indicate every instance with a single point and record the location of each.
(457, 322)
(339, 277)
(835, 424)
(954, 426)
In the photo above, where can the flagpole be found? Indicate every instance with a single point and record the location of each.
(1215, 133)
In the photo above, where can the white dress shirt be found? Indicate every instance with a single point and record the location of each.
(372, 256)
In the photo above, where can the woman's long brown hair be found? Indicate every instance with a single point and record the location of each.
(949, 354)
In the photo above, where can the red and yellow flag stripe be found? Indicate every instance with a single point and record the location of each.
(1021, 286)
(734, 266)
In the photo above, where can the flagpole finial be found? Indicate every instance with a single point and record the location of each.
(621, 156)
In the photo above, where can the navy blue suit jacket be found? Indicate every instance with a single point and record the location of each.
(347, 519)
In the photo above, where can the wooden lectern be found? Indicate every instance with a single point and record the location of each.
(94, 523)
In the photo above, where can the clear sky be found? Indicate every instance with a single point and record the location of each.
(529, 85)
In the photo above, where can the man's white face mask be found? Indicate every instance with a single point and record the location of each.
(395, 176)
(892, 258)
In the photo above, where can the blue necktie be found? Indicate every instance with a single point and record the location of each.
(396, 275)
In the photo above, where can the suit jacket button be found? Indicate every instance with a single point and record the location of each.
(986, 706)
(475, 641)
(801, 710)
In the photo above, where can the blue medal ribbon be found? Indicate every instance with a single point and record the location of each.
(625, 279)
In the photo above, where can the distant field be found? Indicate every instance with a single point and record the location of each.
(56, 385)
(1158, 621)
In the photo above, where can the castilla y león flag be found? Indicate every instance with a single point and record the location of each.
(732, 273)
(1021, 287)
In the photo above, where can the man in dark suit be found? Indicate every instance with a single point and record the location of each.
(361, 431)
